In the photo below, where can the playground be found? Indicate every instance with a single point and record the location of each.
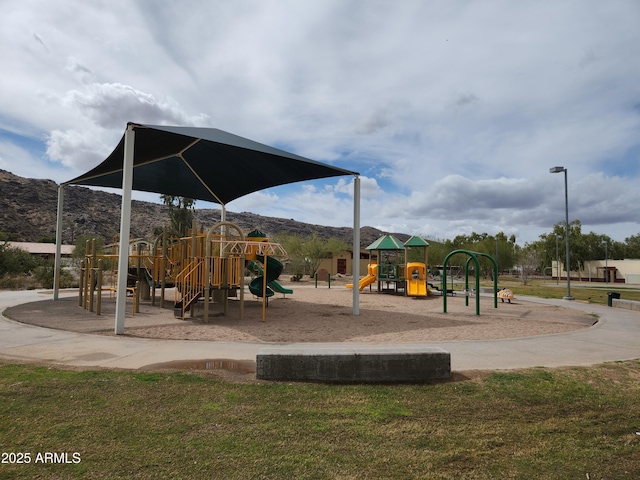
(200, 274)
(317, 315)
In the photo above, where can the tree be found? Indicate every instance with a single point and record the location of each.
(80, 248)
(44, 272)
(8, 237)
(583, 248)
(17, 265)
(293, 244)
(578, 250)
(507, 251)
(632, 248)
(483, 243)
(437, 251)
(307, 253)
(180, 213)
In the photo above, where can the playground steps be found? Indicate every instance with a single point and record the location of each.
(180, 308)
(178, 311)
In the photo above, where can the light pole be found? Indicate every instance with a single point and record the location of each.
(566, 212)
(557, 262)
(606, 261)
(497, 268)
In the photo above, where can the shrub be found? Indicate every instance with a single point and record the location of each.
(15, 261)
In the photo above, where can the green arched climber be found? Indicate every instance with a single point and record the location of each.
(472, 256)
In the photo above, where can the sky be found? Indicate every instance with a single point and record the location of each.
(452, 112)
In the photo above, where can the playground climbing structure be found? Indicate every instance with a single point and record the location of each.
(393, 268)
(201, 267)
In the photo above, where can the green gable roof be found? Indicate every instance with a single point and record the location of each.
(386, 242)
(415, 242)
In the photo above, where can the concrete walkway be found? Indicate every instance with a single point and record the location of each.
(616, 336)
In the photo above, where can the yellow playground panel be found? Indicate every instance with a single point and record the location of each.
(416, 279)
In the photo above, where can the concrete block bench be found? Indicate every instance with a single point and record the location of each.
(628, 304)
(353, 364)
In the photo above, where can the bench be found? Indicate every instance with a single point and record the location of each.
(628, 304)
(353, 364)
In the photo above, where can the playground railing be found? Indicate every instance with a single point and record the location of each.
(190, 282)
(226, 272)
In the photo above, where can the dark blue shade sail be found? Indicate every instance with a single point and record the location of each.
(204, 164)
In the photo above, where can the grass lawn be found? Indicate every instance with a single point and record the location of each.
(586, 292)
(573, 423)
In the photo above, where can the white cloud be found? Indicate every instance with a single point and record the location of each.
(80, 149)
(368, 187)
(106, 109)
(254, 201)
(452, 112)
(112, 105)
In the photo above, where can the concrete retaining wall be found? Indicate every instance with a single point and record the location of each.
(353, 364)
(627, 304)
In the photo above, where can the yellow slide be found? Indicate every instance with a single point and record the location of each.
(416, 288)
(371, 277)
(416, 283)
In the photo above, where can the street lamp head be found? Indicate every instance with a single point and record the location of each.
(556, 169)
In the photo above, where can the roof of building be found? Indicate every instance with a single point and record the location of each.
(36, 248)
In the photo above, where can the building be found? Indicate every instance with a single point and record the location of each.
(45, 250)
(608, 271)
(341, 264)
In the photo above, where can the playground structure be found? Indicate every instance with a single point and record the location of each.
(393, 269)
(471, 256)
(410, 278)
(201, 267)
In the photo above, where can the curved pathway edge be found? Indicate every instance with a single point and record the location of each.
(615, 337)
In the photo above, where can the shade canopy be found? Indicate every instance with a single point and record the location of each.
(200, 163)
(204, 164)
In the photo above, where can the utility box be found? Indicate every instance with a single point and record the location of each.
(611, 296)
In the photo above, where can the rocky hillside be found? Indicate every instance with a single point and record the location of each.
(28, 213)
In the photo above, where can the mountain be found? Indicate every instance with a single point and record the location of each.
(28, 213)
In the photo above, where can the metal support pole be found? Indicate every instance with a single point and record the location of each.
(58, 258)
(566, 214)
(125, 229)
(99, 289)
(566, 210)
(557, 262)
(606, 262)
(356, 245)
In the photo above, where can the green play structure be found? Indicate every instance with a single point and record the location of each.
(472, 256)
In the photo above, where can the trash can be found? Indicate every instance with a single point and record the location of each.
(611, 296)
